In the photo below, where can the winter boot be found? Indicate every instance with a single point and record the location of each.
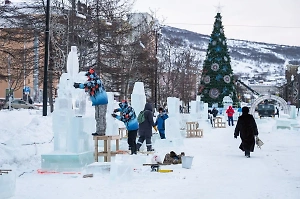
(247, 154)
(98, 134)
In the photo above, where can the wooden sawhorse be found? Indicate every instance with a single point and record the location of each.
(4, 171)
(107, 153)
(218, 122)
(121, 133)
(192, 130)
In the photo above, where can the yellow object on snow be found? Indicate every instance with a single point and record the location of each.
(165, 170)
(155, 128)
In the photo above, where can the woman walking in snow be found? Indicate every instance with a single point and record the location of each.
(247, 129)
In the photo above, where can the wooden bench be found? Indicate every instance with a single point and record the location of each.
(122, 134)
(107, 152)
(192, 130)
(218, 122)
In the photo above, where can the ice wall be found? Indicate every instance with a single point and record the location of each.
(172, 124)
(112, 125)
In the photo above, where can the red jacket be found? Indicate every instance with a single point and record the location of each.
(230, 111)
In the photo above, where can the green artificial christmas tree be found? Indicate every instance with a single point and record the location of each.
(217, 76)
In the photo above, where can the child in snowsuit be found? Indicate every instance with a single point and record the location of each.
(160, 122)
(128, 116)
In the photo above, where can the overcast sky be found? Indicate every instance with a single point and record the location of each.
(270, 21)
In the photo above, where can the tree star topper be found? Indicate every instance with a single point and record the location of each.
(219, 8)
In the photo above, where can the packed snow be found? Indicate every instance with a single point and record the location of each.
(219, 168)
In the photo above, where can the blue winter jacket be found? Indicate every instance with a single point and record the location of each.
(100, 97)
(160, 121)
(129, 118)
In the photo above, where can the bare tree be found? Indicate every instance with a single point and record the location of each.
(179, 69)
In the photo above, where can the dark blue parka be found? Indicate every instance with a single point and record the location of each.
(145, 128)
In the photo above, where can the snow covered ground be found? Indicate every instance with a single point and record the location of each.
(219, 169)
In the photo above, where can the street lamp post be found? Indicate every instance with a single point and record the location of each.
(46, 59)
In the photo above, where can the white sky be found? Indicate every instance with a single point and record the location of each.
(242, 19)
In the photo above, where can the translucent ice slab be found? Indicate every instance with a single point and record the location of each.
(98, 167)
(63, 161)
(122, 169)
(7, 184)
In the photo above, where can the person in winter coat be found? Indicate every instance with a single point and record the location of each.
(247, 129)
(128, 116)
(98, 96)
(230, 113)
(160, 122)
(214, 112)
(145, 128)
(277, 112)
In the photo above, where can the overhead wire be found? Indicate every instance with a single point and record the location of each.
(237, 25)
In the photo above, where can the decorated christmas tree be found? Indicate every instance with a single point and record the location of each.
(217, 76)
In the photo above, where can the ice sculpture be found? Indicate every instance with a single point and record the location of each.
(72, 142)
(227, 101)
(138, 97)
(172, 124)
(112, 125)
(7, 184)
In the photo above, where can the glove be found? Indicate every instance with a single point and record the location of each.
(235, 136)
(155, 128)
(116, 110)
(114, 115)
(76, 85)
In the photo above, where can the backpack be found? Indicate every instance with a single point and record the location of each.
(141, 117)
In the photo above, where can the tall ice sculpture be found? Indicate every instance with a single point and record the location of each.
(138, 97)
(71, 126)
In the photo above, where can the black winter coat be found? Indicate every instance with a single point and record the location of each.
(145, 128)
(247, 129)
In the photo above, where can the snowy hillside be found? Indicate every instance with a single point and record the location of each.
(247, 57)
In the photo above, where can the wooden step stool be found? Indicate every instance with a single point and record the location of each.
(192, 130)
(107, 153)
